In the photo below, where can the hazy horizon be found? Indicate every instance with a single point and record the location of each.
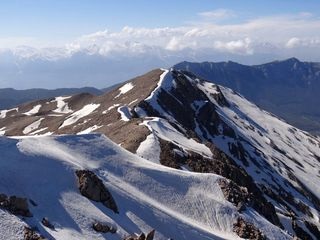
(52, 44)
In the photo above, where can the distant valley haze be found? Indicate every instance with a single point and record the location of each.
(54, 44)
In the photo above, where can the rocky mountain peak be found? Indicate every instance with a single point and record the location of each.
(268, 168)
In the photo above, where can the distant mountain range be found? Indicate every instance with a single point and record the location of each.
(290, 89)
(235, 170)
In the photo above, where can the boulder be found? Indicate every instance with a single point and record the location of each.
(31, 234)
(15, 205)
(104, 228)
(247, 230)
(46, 223)
(142, 236)
(93, 188)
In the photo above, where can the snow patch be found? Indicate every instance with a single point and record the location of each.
(124, 89)
(3, 113)
(150, 149)
(125, 113)
(39, 131)
(110, 108)
(74, 117)
(89, 130)
(62, 106)
(33, 126)
(33, 111)
(2, 131)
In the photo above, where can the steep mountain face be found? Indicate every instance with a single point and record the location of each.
(287, 88)
(268, 170)
(10, 97)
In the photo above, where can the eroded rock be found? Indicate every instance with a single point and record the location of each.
(247, 230)
(235, 194)
(92, 187)
(31, 234)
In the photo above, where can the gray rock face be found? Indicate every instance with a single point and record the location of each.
(92, 187)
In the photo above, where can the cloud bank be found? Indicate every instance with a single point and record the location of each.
(135, 50)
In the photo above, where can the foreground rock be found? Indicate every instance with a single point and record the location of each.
(15, 205)
(92, 187)
(247, 230)
(142, 236)
(104, 228)
(31, 234)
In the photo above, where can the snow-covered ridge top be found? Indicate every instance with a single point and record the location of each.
(138, 186)
(163, 83)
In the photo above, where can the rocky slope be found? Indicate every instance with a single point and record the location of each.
(269, 170)
(288, 89)
(10, 97)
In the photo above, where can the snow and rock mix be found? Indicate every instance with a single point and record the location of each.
(148, 196)
(257, 176)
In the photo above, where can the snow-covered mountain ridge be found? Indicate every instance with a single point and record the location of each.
(269, 170)
(148, 196)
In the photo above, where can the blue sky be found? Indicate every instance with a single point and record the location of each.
(63, 20)
(59, 43)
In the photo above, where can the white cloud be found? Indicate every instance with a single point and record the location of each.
(281, 35)
(241, 46)
(217, 15)
(293, 42)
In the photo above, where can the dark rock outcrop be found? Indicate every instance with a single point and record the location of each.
(31, 234)
(247, 230)
(92, 187)
(15, 205)
(46, 223)
(300, 232)
(142, 236)
(104, 228)
(235, 194)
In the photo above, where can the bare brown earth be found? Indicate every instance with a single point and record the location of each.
(129, 134)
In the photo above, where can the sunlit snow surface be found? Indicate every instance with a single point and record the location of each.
(62, 106)
(74, 117)
(178, 204)
(33, 111)
(124, 89)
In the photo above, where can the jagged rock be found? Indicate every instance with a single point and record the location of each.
(104, 228)
(313, 229)
(235, 194)
(150, 235)
(31, 234)
(15, 205)
(142, 236)
(301, 234)
(46, 223)
(92, 187)
(247, 230)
